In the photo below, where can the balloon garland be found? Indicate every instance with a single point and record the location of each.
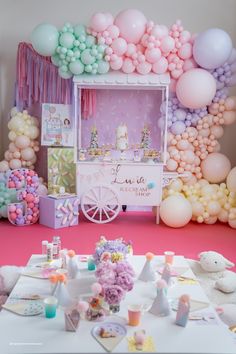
(23, 135)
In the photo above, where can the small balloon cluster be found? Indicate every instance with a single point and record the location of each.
(206, 202)
(26, 183)
(23, 134)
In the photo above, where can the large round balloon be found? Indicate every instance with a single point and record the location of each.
(212, 48)
(176, 211)
(231, 180)
(132, 25)
(44, 39)
(196, 88)
(215, 167)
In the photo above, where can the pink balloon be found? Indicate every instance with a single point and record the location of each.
(167, 44)
(160, 67)
(173, 84)
(152, 55)
(113, 31)
(217, 131)
(132, 25)
(131, 49)
(98, 22)
(159, 31)
(196, 88)
(128, 66)
(230, 103)
(144, 68)
(119, 46)
(109, 18)
(116, 64)
(185, 52)
(171, 165)
(176, 73)
(189, 64)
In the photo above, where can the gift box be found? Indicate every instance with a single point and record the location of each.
(58, 212)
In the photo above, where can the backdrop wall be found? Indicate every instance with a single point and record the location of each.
(18, 18)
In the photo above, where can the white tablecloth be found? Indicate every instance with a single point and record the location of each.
(37, 334)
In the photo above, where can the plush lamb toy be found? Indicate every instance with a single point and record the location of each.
(8, 278)
(213, 276)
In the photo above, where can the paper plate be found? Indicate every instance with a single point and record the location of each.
(111, 342)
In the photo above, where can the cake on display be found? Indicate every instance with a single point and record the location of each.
(122, 137)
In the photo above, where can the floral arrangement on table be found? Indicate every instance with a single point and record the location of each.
(113, 250)
(114, 273)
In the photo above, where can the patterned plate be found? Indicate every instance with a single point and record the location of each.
(112, 327)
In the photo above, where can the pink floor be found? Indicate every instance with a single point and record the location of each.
(18, 243)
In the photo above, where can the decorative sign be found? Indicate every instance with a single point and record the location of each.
(131, 181)
(57, 125)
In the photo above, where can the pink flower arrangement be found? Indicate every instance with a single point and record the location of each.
(116, 279)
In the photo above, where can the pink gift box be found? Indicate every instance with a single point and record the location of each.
(60, 212)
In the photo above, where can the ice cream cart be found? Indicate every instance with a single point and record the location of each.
(120, 151)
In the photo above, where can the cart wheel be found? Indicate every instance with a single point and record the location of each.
(100, 204)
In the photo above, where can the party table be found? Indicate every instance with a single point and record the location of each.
(36, 334)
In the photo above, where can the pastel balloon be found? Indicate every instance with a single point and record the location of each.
(229, 117)
(22, 141)
(76, 67)
(44, 39)
(144, 68)
(99, 22)
(196, 88)
(230, 103)
(215, 167)
(103, 67)
(171, 165)
(67, 40)
(15, 163)
(175, 211)
(213, 208)
(197, 208)
(160, 67)
(177, 127)
(116, 64)
(232, 223)
(27, 154)
(212, 48)
(185, 52)
(33, 132)
(128, 66)
(217, 131)
(231, 180)
(189, 64)
(132, 25)
(167, 44)
(4, 166)
(159, 31)
(119, 46)
(113, 31)
(153, 55)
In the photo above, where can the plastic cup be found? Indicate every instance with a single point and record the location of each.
(169, 257)
(134, 314)
(50, 305)
(91, 264)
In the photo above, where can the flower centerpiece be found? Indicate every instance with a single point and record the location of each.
(114, 272)
(113, 250)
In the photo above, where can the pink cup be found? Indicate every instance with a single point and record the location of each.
(134, 314)
(169, 257)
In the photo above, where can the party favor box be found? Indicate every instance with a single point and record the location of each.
(59, 212)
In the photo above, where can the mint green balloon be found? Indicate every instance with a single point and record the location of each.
(64, 74)
(101, 48)
(77, 53)
(103, 67)
(55, 60)
(76, 67)
(88, 68)
(86, 57)
(90, 41)
(82, 46)
(78, 30)
(44, 39)
(66, 40)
